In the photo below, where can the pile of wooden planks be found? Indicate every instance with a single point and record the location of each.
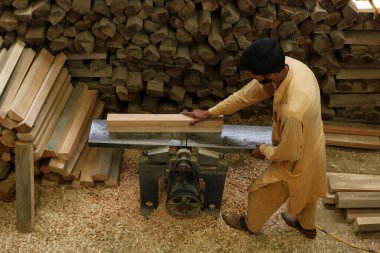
(359, 196)
(354, 135)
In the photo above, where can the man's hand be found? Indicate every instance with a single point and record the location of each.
(256, 152)
(198, 115)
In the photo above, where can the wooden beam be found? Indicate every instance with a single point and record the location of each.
(87, 56)
(357, 200)
(351, 100)
(367, 224)
(87, 72)
(86, 171)
(358, 74)
(117, 158)
(30, 86)
(339, 127)
(352, 214)
(160, 123)
(344, 182)
(102, 168)
(25, 187)
(362, 37)
(353, 141)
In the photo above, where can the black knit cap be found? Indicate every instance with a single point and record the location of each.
(263, 56)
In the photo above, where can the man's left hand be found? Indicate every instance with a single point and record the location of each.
(256, 153)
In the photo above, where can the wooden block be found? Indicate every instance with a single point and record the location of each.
(353, 141)
(8, 137)
(102, 168)
(47, 84)
(357, 200)
(177, 93)
(35, 35)
(351, 128)
(86, 72)
(88, 165)
(25, 187)
(367, 224)
(114, 176)
(87, 56)
(85, 41)
(160, 123)
(134, 82)
(30, 86)
(214, 38)
(78, 124)
(350, 100)
(352, 214)
(81, 6)
(155, 88)
(342, 182)
(8, 21)
(149, 104)
(358, 74)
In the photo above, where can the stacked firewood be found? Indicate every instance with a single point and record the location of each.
(167, 56)
(359, 197)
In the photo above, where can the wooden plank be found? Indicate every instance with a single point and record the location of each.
(15, 80)
(77, 168)
(10, 62)
(86, 172)
(358, 74)
(87, 72)
(344, 182)
(25, 186)
(351, 100)
(3, 57)
(367, 224)
(160, 123)
(357, 200)
(352, 214)
(68, 114)
(73, 135)
(362, 37)
(62, 82)
(352, 141)
(87, 56)
(339, 127)
(329, 199)
(102, 169)
(117, 158)
(42, 94)
(30, 86)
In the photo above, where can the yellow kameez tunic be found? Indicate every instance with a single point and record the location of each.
(297, 152)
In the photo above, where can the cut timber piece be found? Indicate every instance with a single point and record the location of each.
(350, 100)
(357, 200)
(351, 128)
(88, 56)
(367, 224)
(102, 168)
(358, 74)
(160, 123)
(76, 129)
(30, 86)
(117, 158)
(7, 20)
(342, 182)
(362, 37)
(88, 165)
(43, 92)
(352, 214)
(353, 141)
(25, 186)
(51, 149)
(86, 72)
(10, 62)
(329, 199)
(81, 6)
(214, 38)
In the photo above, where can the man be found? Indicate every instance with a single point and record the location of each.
(298, 160)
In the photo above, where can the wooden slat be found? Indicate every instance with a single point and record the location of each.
(358, 74)
(339, 127)
(117, 158)
(77, 127)
(160, 123)
(77, 168)
(367, 224)
(30, 86)
(30, 118)
(3, 57)
(64, 121)
(102, 168)
(15, 80)
(351, 100)
(344, 182)
(357, 200)
(62, 81)
(87, 56)
(352, 214)
(329, 199)
(86, 171)
(362, 37)
(10, 62)
(87, 72)
(352, 141)
(25, 186)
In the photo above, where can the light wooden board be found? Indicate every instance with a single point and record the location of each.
(358, 74)
(76, 129)
(30, 85)
(15, 80)
(77, 168)
(352, 141)
(64, 121)
(25, 186)
(357, 200)
(86, 171)
(367, 224)
(329, 199)
(160, 123)
(339, 127)
(42, 93)
(10, 62)
(362, 37)
(344, 182)
(351, 214)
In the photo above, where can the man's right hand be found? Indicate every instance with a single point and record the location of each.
(198, 115)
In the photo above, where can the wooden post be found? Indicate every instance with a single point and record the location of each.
(24, 186)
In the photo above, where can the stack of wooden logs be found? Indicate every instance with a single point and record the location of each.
(359, 196)
(164, 56)
(38, 104)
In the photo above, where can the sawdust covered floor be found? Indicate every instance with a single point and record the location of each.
(102, 219)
